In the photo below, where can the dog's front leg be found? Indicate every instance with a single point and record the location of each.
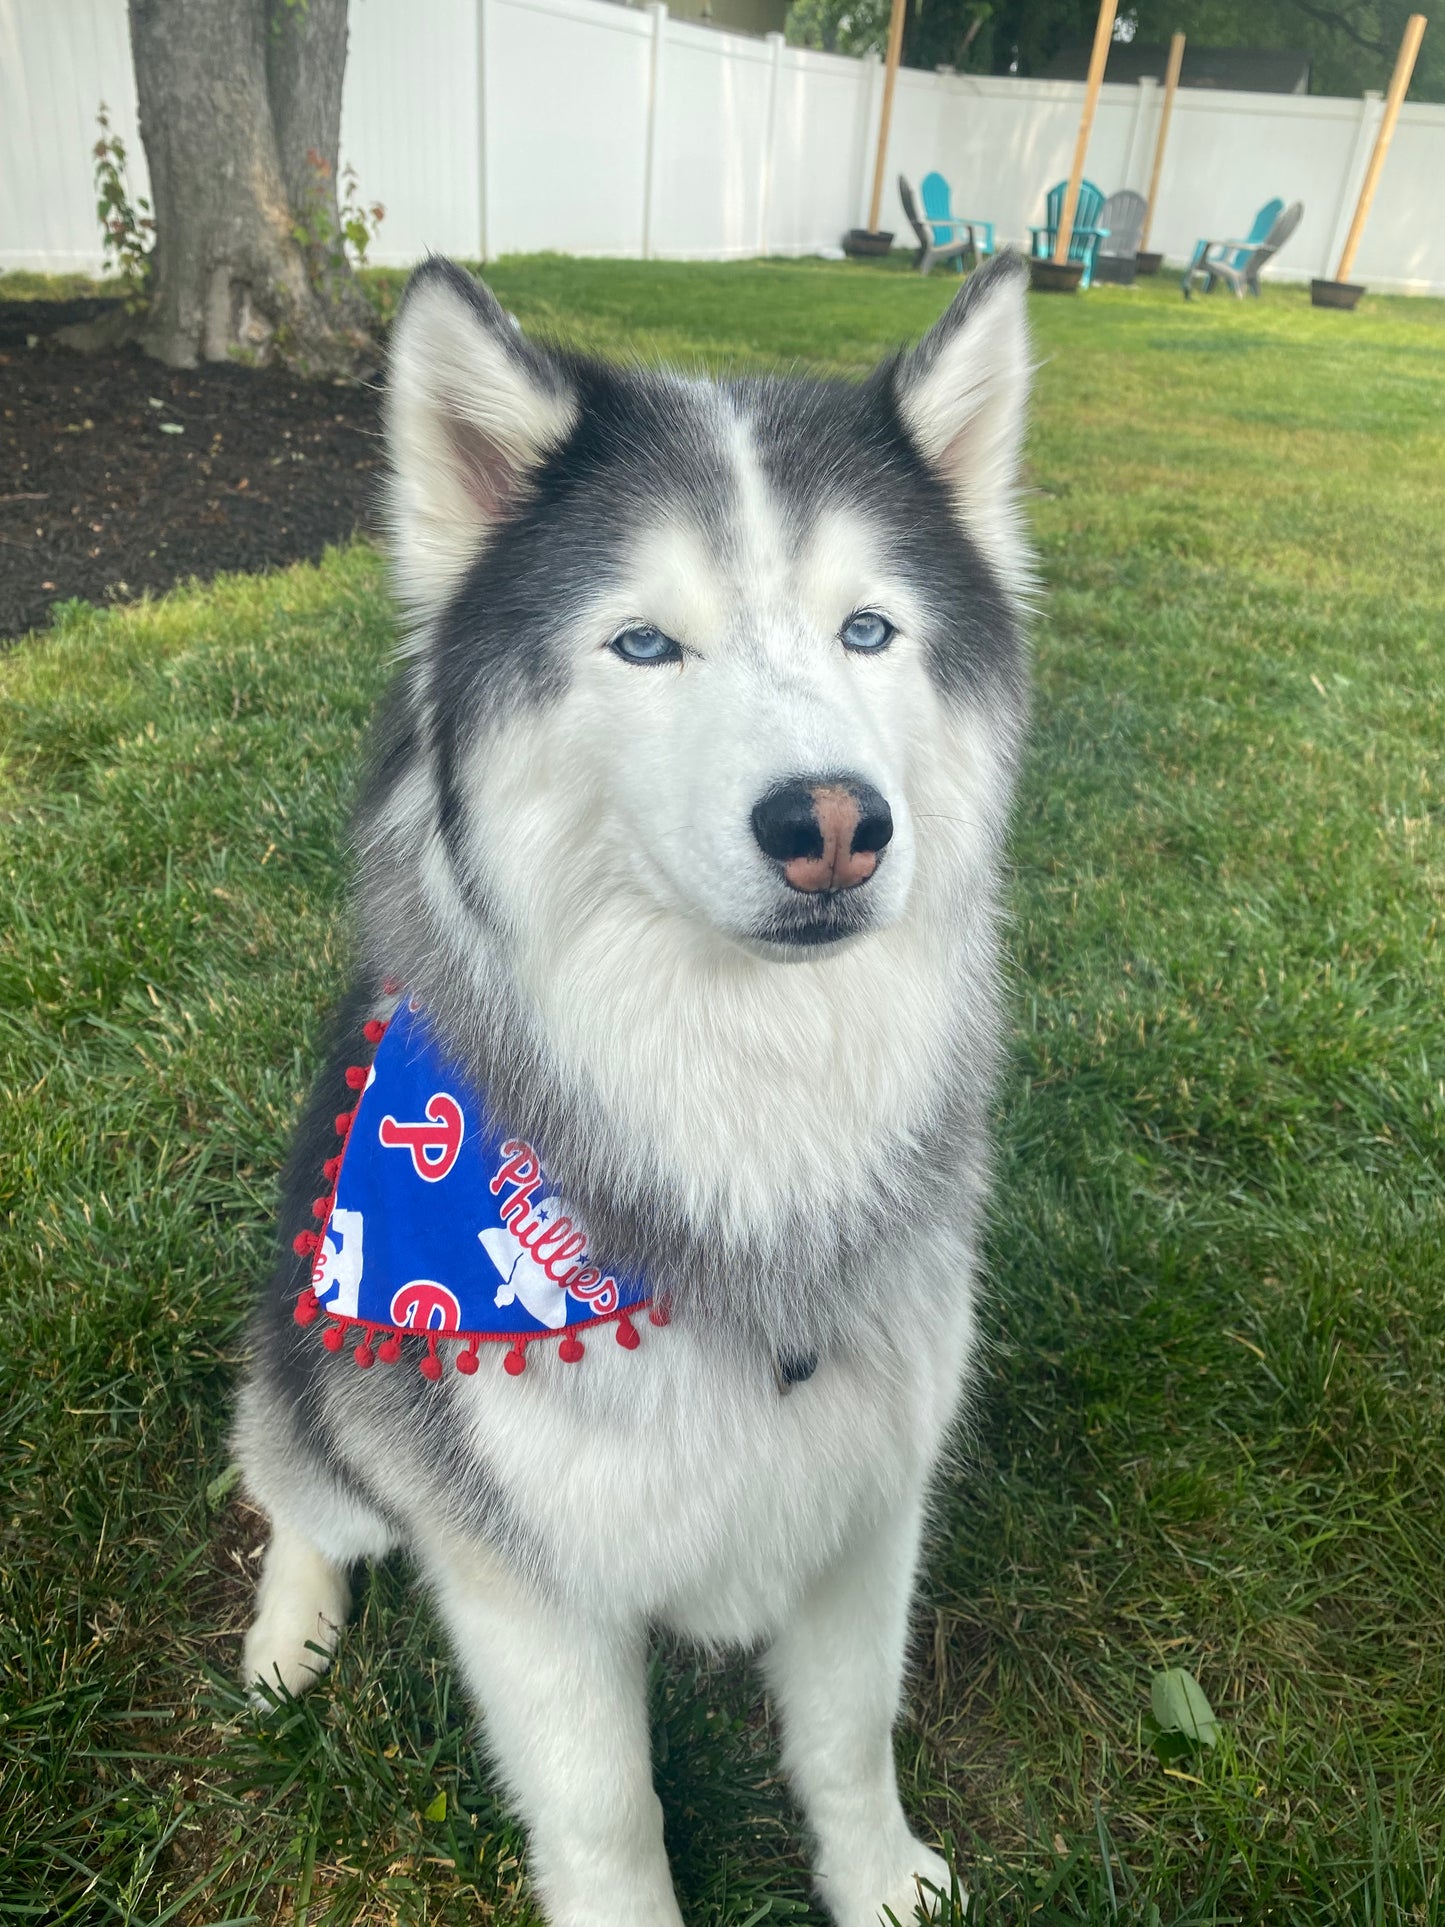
(563, 1696)
(836, 1675)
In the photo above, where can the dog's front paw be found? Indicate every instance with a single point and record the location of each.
(300, 1609)
(913, 1886)
(922, 1891)
(279, 1654)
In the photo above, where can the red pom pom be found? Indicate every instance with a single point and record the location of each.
(390, 987)
(467, 1361)
(331, 1170)
(334, 1337)
(343, 1122)
(373, 1030)
(571, 1349)
(306, 1244)
(308, 1308)
(320, 1207)
(365, 1357)
(431, 1367)
(660, 1313)
(516, 1359)
(389, 1350)
(627, 1336)
(355, 1076)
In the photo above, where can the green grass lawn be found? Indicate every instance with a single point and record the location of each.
(1212, 1428)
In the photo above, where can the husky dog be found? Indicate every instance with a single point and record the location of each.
(684, 825)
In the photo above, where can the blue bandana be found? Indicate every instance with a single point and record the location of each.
(441, 1224)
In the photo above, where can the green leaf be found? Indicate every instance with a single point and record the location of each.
(222, 1485)
(1167, 1747)
(438, 1808)
(1178, 1703)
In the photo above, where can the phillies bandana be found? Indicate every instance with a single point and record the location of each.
(440, 1224)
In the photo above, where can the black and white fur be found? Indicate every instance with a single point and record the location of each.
(776, 1106)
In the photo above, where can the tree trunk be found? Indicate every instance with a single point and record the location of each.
(305, 67)
(304, 71)
(231, 278)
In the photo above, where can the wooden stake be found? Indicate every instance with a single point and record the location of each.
(1394, 100)
(1103, 34)
(890, 79)
(1171, 81)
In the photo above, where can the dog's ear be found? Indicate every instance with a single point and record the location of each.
(962, 393)
(472, 408)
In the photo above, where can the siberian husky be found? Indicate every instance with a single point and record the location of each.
(681, 847)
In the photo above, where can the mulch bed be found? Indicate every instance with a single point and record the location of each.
(119, 475)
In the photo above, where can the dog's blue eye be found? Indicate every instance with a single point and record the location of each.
(867, 632)
(646, 644)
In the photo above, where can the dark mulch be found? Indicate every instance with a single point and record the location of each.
(20, 320)
(102, 497)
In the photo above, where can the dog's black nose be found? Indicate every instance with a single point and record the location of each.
(825, 831)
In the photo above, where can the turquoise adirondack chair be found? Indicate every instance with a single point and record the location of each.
(938, 208)
(1087, 234)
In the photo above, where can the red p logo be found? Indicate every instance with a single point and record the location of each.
(433, 1146)
(425, 1306)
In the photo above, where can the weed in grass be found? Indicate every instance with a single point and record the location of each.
(1211, 1429)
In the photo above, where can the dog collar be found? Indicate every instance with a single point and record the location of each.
(438, 1223)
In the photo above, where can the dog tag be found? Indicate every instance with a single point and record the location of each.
(790, 1369)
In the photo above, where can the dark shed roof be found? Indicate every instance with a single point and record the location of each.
(1245, 70)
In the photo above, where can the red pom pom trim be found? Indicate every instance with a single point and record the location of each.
(373, 1030)
(306, 1244)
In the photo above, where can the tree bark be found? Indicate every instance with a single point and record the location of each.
(305, 68)
(230, 279)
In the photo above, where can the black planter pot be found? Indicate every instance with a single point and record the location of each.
(1055, 277)
(1115, 268)
(1335, 294)
(863, 243)
(1148, 263)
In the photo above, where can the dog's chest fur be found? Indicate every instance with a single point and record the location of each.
(677, 1483)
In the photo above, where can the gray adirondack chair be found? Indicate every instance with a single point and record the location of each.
(937, 240)
(1263, 222)
(1237, 263)
(1123, 215)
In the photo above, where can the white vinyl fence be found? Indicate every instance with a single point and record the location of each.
(493, 127)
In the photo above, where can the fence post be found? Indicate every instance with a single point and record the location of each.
(770, 125)
(1143, 117)
(870, 105)
(1371, 109)
(487, 233)
(658, 11)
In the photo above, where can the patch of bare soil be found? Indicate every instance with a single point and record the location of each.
(118, 475)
